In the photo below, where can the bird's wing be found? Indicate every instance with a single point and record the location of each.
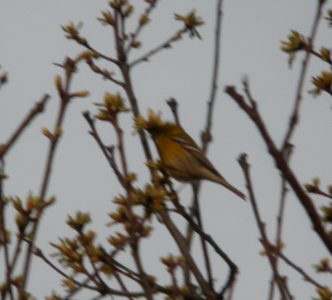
(192, 147)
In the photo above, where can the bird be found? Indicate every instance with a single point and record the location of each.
(182, 158)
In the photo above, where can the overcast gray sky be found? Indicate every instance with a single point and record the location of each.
(32, 40)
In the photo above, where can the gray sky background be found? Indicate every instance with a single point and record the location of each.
(31, 40)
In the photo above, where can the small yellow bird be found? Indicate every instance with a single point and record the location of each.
(182, 158)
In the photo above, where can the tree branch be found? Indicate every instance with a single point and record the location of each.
(294, 118)
(252, 112)
(38, 108)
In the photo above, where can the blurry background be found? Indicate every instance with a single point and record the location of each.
(32, 40)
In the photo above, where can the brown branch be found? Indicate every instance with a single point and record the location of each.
(64, 95)
(233, 268)
(306, 277)
(317, 54)
(294, 118)
(134, 244)
(206, 138)
(107, 152)
(173, 105)
(164, 45)
(181, 242)
(3, 79)
(122, 285)
(99, 54)
(128, 87)
(283, 289)
(104, 72)
(280, 217)
(4, 233)
(317, 191)
(39, 253)
(133, 102)
(252, 112)
(206, 134)
(133, 36)
(206, 255)
(38, 108)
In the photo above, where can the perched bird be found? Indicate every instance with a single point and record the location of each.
(181, 156)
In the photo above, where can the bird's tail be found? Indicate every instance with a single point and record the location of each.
(227, 185)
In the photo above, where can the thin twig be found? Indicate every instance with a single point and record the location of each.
(105, 73)
(64, 96)
(134, 36)
(280, 217)
(303, 197)
(107, 152)
(181, 242)
(135, 109)
(164, 45)
(4, 242)
(206, 134)
(197, 213)
(233, 268)
(38, 108)
(173, 105)
(87, 45)
(294, 118)
(283, 289)
(122, 285)
(135, 250)
(305, 275)
(3, 79)
(39, 253)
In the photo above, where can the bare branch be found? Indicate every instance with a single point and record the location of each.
(283, 289)
(134, 36)
(306, 277)
(106, 151)
(181, 242)
(64, 100)
(39, 108)
(206, 136)
(173, 105)
(294, 118)
(233, 268)
(252, 111)
(164, 45)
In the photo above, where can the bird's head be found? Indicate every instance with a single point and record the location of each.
(155, 125)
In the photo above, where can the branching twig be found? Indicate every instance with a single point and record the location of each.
(140, 25)
(251, 110)
(135, 249)
(65, 97)
(164, 45)
(197, 212)
(105, 73)
(181, 242)
(87, 45)
(4, 232)
(104, 149)
(293, 120)
(233, 268)
(306, 277)
(280, 217)
(283, 289)
(206, 134)
(38, 108)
